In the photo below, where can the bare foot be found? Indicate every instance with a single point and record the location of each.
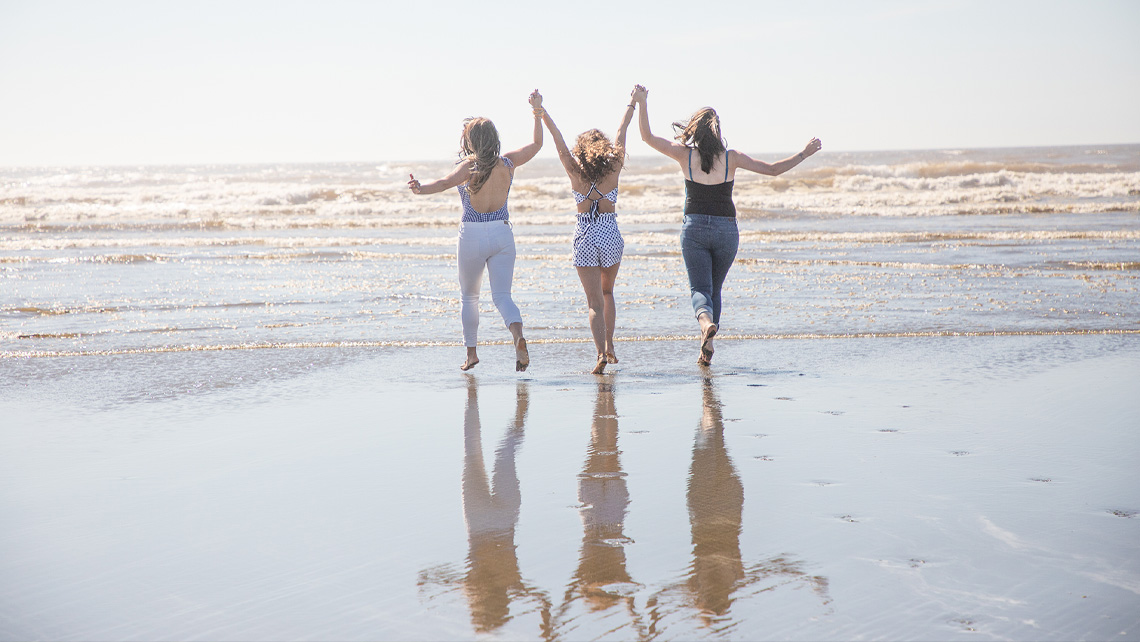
(611, 357)
(469, 364)
(522, 357)
(707, 335)
(601, 365)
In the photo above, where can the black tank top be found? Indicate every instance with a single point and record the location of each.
(710, 200)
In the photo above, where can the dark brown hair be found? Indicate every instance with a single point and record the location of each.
(597, 157)
(702, 132)
(480, 143)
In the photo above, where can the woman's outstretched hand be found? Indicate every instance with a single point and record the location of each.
(535, 99)
(639, 94)
(413, 184)
(813, 146)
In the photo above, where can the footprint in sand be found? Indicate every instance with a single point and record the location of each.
(964, 623)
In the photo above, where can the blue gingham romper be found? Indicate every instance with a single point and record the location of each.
(597, 240)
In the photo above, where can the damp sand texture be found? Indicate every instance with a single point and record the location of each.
(907, 488)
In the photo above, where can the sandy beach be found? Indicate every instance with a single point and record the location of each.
(865, 488)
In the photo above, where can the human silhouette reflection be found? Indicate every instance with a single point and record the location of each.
(715, 499)
(601, 579)
(492, 581)
(716, 503)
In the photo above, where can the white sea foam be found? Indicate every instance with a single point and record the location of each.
(369, 195)
(158, 258)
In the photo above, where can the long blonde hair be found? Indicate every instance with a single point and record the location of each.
(597, 157)
(480, 143)
(703, 132)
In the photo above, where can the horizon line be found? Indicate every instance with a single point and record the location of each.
(8, 166)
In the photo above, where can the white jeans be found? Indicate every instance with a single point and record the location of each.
(492, 245)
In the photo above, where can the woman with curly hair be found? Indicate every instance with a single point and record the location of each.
(593, 167)
(485, 238)
(709, 237)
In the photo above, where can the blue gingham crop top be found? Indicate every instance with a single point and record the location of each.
(610, 196)
(501, 214)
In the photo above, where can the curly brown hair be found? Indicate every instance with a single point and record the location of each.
(479, 142)
(597, 157)
(703, 132)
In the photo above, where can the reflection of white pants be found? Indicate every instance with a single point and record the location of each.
(490, 244)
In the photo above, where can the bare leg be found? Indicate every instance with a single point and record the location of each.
(708, 331)
(472, 359)
(522, 357)
(591, 278)
(609, 277)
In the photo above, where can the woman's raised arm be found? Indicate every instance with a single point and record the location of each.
(667, 147)
(527, 152)
(626, 119)
(564, 155)
(458, 176)
(743, 161)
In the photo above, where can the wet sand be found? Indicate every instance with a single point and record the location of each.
(901, 488)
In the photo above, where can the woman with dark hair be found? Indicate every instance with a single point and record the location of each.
(593, 167)
(485, 238)
(709, 236)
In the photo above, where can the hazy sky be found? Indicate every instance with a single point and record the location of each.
(148, 81)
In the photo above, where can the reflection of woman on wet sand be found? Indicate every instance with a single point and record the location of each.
(716, 503)
(716, 506)
(601, 579)
(491, 510)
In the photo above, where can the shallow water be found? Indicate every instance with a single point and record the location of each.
(953, 241)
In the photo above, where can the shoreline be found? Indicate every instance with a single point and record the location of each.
(41, 354)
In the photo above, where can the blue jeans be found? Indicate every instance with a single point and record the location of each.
(709, 245)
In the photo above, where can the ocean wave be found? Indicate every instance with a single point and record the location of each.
(375, 196)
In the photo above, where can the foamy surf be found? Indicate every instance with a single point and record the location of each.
(115, 260)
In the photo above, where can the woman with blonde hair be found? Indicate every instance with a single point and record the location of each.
(709, 236)
(486, 240)
(593, 166)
